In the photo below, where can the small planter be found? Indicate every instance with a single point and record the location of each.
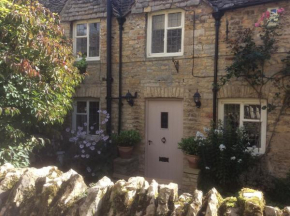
(193, 161)
(125, 152)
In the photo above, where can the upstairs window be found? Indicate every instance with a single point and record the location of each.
(87, 39)
(249, 114)
(165, 34)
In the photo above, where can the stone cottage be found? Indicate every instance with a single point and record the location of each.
(172, 49)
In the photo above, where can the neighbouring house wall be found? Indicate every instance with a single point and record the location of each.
(158, 78)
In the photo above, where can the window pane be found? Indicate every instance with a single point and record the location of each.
(81, 29)
(94, 117)
(253, 129)
(94, 39)
(252, 112)
(274, 11)
(174, 19)
(232, 115)
(174, 40)
(81, 122)
(164, 120)
(82, 46)
(81, 107)
(158, 34)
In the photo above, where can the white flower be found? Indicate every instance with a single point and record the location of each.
(65, 67)
(218, 131)
(81, 146)
(83, 156)
(88, 144)
(222, 147)
(89, 169)
(36, 68)
(103, 122)
(233, 158)
(87, 155)
(99, 111)
(72, 131)
(92, 127)
(94, 143)
(105, 112)
(72, 139)
(85, 124)
(80, 128)
(205, 129)
(240, 160)
(92, 148)
(85, 142)
(83, 151)
(67, 129)
(207, 168)
(199, 135)
(99, 152)
(84, 133)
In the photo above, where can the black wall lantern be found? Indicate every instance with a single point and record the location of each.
(196, 98)
(129, 98)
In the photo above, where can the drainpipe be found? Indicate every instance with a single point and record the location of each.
(217, 16)
(121, 21)
(109, 66)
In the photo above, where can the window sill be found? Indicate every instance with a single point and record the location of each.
(164, 55)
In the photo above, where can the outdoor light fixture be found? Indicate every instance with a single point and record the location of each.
(129, 98)
(196, 98)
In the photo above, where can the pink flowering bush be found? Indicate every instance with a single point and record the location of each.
(268, 18)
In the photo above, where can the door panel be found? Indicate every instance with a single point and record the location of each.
(164, 131)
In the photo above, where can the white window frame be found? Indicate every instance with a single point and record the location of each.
(87, 22)
(74, 115)
(262, 120)
(272, 24)
(149, 33)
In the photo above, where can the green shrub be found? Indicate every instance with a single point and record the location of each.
(190, 145)
(225, 155)
(81, 64)
(37, 78)
(127, 138)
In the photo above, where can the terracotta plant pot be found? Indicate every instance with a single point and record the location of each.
(193, 161)
(125, 152)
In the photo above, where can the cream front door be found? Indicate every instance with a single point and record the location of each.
(164, 130)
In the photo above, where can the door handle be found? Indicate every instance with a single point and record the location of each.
(163, 140)
(149, 142)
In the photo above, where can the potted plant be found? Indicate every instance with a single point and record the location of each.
(190, 147)
(126, 141)
(81, 64)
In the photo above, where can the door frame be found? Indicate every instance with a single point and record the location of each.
(147, 100)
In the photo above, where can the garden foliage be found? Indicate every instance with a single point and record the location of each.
(37, 77)
(225, 154)
(126, 138)
(91, 155)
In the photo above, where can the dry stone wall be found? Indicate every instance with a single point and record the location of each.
(48, 191)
